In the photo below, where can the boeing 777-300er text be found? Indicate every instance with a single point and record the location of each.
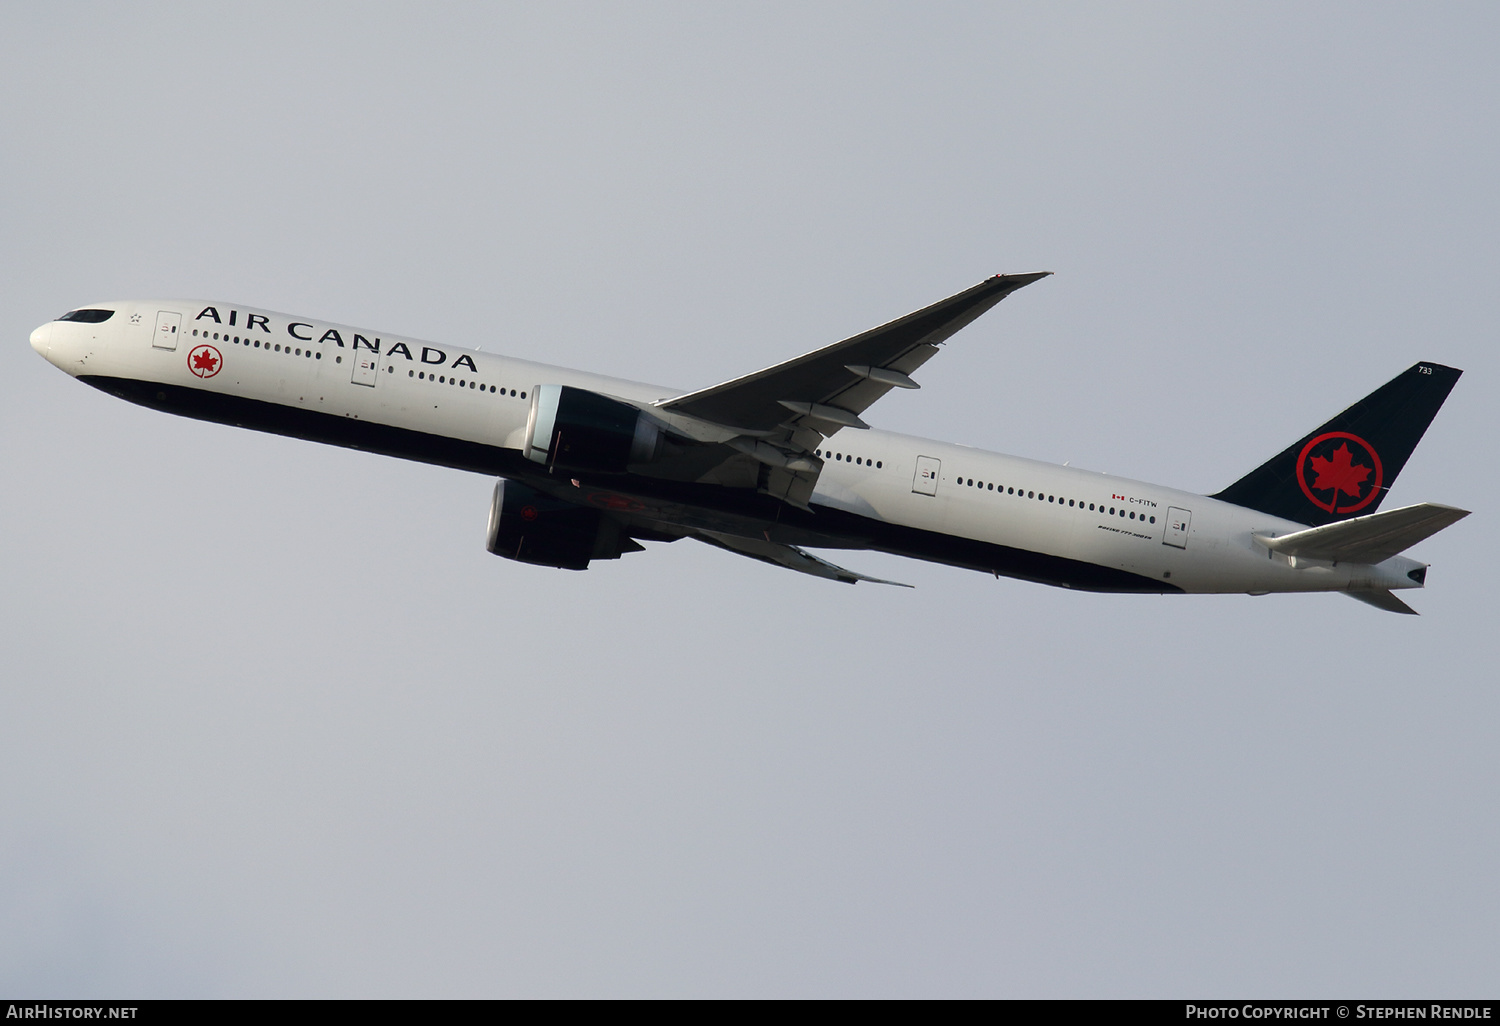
(780, 460)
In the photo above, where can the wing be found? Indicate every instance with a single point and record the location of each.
(780, 415)
(830, 387)
(788, 556)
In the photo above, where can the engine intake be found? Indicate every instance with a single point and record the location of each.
(575, 429)
(530, 527)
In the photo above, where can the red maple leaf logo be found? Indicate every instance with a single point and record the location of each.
(1337, 473)
(1340, 472)
(204, 360)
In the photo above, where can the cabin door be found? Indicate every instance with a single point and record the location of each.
(1178, 522)
(167, 324)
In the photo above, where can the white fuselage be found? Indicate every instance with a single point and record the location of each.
(1187, 541)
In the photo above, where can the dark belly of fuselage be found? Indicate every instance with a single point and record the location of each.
(635, 498)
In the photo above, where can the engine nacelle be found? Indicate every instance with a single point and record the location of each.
(530, 527)
(575, 429)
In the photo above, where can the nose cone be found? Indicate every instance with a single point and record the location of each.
(41, 338)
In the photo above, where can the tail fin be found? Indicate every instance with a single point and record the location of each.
(1344, 468)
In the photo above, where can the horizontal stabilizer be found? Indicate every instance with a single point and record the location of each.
(1369, 539)
(788, 556)
(1383, 598)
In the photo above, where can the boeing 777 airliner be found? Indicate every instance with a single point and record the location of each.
(780, 460)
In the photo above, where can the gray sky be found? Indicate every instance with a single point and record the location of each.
(273, 722)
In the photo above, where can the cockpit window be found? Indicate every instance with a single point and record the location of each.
(87, 316)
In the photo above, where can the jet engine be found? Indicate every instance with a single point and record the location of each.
(530, 527)
(575, 429)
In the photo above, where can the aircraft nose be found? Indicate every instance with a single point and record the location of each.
(41, 338)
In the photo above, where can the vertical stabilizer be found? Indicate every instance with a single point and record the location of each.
(1344, 468)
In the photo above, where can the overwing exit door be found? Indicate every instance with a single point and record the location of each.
(366, 367)
(926, 480)
(167, 323)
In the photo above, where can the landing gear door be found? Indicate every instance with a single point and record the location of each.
(366, 367)
(926, 480)
(167, 324)
(1178, 522)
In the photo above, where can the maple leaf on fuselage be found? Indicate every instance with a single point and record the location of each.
(1340, 472)
(204, 361)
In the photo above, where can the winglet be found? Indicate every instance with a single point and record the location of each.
(1022, 280)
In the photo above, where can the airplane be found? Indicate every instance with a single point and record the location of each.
(776, 462)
